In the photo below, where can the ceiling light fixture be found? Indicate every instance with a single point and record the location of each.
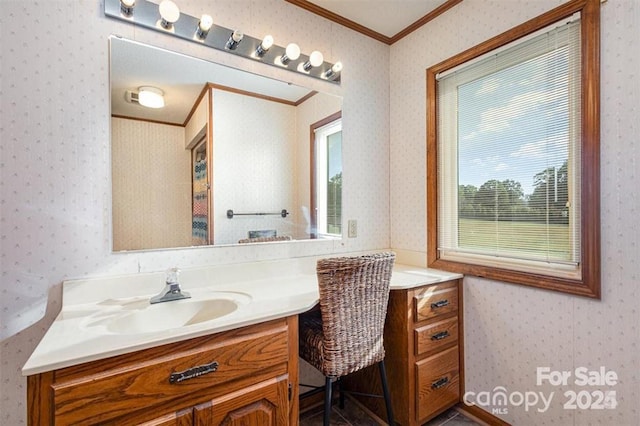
(204, 25)
(169, 13)
(150, 97)
(264, 46)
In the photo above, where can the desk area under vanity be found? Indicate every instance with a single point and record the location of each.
(230, 351)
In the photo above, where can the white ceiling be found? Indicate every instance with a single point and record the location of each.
(181, 78)
(387, 17)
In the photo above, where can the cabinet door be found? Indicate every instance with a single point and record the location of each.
(263, 404)
(181, 418)
(437, 383)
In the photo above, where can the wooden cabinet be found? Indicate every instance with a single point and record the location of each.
(244, 376)
(182, 418)
(259, 405)
(423, 341)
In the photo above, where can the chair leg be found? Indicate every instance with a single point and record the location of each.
(385, 390)
(327, 401)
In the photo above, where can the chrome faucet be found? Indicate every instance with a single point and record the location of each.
(172, 290)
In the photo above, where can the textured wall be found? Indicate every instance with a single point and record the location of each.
(151, 185)
(252, 164)
(54, 127)
(511, 330)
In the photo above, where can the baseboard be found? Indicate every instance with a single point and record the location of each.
(316, 401)
(311, 402)
(374, 416)
(479, 415)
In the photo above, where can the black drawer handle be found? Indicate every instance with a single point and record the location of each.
(439, 383)
(439, 304)
(193, 372)
(440, 336)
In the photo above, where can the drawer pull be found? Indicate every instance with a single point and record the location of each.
(440, 383)
(193, 372)
(439, 304)
(440, 336)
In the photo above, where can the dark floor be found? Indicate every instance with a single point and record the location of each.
(353, 415)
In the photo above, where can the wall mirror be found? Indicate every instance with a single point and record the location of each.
(204, 154)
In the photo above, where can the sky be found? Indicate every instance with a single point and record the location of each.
(513, 123)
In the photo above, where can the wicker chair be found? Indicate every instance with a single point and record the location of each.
(346, 334)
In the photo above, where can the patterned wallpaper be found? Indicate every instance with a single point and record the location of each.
(151, 181)
(54, 168)
(55, 196)
(252, 165)
(511, 330)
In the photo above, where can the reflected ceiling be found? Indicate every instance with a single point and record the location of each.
(140, 65)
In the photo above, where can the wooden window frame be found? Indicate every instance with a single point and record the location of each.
(588, 284)
(312, 142)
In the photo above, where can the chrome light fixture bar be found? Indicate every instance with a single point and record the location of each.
(201, 30)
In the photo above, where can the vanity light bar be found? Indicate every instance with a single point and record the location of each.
(147, 14)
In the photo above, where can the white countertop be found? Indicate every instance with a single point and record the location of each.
(262, 290)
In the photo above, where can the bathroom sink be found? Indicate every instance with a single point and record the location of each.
(139, 316)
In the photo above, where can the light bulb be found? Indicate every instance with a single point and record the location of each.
(315, 59)
(265, 45)
(335, 69)
(234, 39)
(205, 24)
(237, 36)
(150, 97)
(126, 7)
(267, 42)
(291, 53)
(169, 12)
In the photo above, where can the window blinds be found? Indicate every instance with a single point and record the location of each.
(509, 153)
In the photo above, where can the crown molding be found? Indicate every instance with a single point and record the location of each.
(332, 16)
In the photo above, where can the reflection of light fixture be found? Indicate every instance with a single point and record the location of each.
(315, 60)
(126, 7)
(291, 53)
(266, 44)
(150, 97)
(169, 13)
(335, 69)
(206, 21)
(234, 40)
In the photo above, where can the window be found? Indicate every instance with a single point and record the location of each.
(326, 179)
(513, 138)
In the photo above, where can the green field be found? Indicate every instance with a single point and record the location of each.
(515, 237)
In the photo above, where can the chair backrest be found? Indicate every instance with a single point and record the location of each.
(354, 293)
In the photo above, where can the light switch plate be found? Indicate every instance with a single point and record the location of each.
(352, 228)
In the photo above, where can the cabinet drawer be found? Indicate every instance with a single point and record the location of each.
(435, 336)
(437, 383)
(434, 301)
(150, 378)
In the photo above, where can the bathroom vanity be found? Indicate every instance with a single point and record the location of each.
(227, 355)
(423, 353)
(241, 376)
